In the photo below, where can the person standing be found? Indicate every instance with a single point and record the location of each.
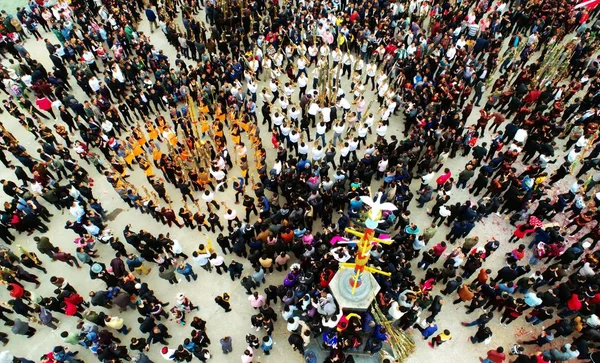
(248, 204)
(248, 355)
(168, 273)
(218, 262)
(22, 328)
(187, 271)
(464, 177)
(44, 245)
(256, 300)
(495, 356)
(223, 301)
(151, 16)
(226, 345)
(267, 344)
(202, 259)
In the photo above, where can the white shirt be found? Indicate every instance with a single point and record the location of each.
(302, 81)
(444, 211)
(107, 126)
(450, 53)
(427, 178)
(353, 145)
(77, 211)
(56, 104)
(348, 59)
(336, 55)
(394, 311)
(217, 261)
(94, 84)
(218, 175)
(294, 137)
(201, 259)
(303, 150)
(382, 165)
(208, 197)
(88, 57)
(344, 104)
(324, 50)
(230, 216)
(339, 129)
(294, 115)
(359, 65)
(277, 167)
(92, 229)
(593, 321)
(288, 90)
(362, 131)
(284, 103)
(521, 135)
(317, 154)
(278, 120)
(326, 113)
(313, 109)
(301, 63)
(382, 130)
(383, 89)
(321, 128)
(177, 249)
(371, 69)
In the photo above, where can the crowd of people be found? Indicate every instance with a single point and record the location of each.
(322, 84)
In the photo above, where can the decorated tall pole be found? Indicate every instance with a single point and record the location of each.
(355, 289)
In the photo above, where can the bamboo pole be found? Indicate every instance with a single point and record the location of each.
(29, 255)
(402, 344)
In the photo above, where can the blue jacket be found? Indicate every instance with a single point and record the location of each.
(150, 15)
(429, 331)
(187, 269)
(379, 334)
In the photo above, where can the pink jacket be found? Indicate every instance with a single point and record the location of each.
(256, 302)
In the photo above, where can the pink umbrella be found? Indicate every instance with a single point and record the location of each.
(534, 221)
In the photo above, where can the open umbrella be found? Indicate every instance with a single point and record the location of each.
(535, 221)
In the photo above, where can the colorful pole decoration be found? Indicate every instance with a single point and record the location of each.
(590, 4)
(367, 241)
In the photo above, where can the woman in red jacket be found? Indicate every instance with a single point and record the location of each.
(15, 290)
(522, 230)
(325, 278)
(442, 179)
(573, 306)
(45, 104)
